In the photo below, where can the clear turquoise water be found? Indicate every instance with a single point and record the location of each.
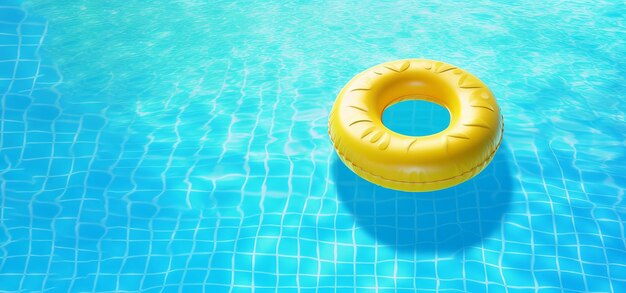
(182, 146)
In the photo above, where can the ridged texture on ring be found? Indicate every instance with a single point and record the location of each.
(423, 163)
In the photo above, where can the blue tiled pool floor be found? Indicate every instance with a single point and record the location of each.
(182, 146)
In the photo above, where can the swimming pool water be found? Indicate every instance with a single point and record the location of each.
(182, 146)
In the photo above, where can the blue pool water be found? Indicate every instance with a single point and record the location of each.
(182, 146)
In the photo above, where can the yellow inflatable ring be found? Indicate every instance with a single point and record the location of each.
(415, 163)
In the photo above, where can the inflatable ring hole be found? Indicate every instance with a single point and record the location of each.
(415, 116)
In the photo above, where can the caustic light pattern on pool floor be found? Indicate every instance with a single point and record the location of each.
(183, 145)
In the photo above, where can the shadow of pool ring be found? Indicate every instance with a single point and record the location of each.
(415, 163)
